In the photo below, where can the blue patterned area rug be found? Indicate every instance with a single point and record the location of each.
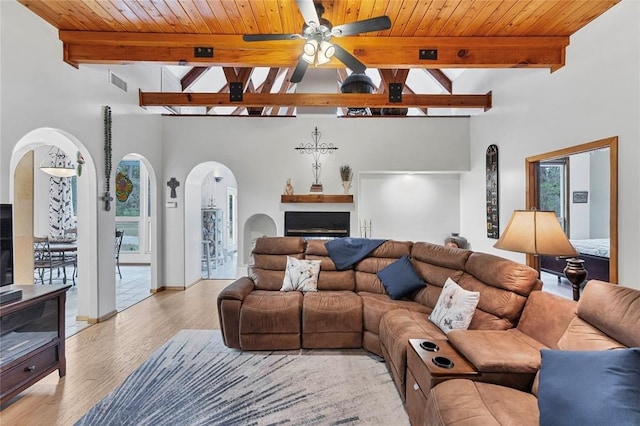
(194, 379)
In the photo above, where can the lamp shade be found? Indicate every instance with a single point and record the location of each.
(535, 232)
(56, 164)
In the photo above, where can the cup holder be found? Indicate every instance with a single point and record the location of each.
(443, 362)
(429, 346)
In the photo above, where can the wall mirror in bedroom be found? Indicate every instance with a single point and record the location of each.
(580, 184)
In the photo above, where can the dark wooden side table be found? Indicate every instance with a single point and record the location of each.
(423, 374)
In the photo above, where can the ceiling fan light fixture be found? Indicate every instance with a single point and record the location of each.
(322, 59)
(310, 47)
(327, 49)
(310, 59)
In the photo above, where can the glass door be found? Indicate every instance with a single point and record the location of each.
(133, 210)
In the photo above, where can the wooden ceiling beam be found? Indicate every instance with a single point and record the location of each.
(311, 99)
(284, 88)
(266, 85)
(191, 76)
(84, 47)
(441, 78)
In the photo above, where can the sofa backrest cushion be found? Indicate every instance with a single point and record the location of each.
(608, 317)
(438, 255)
(503, 273)
(613, 309)
(503, 285)
(269, 260)
(546, 317)
(435, 264)
(366, 270)
(330, 278)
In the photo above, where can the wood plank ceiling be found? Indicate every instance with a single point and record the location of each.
(464, 33)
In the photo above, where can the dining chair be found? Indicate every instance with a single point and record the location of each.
(44, 260)
(119, 237)
(70, 235)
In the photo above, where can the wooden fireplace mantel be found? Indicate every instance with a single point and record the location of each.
(316, 198)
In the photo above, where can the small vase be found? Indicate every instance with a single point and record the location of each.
(457, 240)
(346, 185)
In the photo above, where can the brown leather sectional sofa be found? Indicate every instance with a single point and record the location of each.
(351, 308)
(512, 324)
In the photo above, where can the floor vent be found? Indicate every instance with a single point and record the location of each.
(117, 82)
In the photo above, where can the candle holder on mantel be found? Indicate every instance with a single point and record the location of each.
(365, 228)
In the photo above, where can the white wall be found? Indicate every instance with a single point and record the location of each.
(596, 95)
(39, 90)
(599, 195)
(579, 180)
(413, 207)
(260, 153)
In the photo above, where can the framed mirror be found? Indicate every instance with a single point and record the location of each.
(580, 184)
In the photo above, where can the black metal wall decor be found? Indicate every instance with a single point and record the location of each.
(173, 184)
(493, 206)
(107, 198)
(316, 148)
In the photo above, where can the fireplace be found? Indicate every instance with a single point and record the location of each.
(317, 225)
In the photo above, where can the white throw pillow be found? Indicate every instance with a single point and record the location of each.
(301, 275)
(455, 307)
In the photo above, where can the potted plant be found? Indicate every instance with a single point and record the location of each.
(346, 174)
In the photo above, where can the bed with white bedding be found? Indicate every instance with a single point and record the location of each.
(595, 252)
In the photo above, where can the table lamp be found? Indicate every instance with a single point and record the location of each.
(539, 233)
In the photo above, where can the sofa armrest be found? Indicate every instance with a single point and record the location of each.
(237, 290)
(229, 304)
(504, 357)
(498, 351)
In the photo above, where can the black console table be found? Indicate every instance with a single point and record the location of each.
(31, 337)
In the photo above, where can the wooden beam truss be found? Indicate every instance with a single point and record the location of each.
(261, 100)
(86, 47)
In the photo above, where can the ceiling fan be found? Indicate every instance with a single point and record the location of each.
(318, 32)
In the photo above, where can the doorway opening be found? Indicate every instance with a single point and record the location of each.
(133, 229)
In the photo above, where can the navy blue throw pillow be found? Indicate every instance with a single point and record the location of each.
(589, 387)
(400, 279)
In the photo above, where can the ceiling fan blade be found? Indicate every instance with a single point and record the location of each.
(349, 60)
(298, 73)
(366, 25)
(308, 11)
(268, 37)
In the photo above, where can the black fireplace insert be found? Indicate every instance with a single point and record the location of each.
(318, 225)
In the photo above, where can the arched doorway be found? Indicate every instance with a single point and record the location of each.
(211, 230)
(23, 171)
(136, 219)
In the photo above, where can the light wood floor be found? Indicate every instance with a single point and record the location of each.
(100, 357)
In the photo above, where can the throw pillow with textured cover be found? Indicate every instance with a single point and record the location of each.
(301, 275)
(455, 307)
(589, 387)
(400, 279)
